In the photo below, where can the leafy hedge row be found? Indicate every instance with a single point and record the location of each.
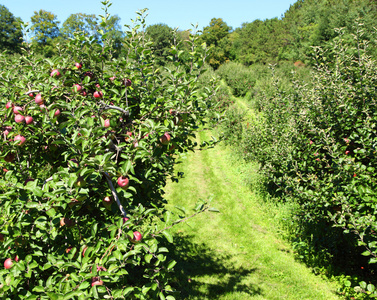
(316, 145)
(88, 142)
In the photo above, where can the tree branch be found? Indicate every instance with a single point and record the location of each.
(121, 208)
(105, 107)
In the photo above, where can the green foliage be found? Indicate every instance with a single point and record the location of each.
(163, 37)
(260, 41)
(216, 35)
(45, 26)
(11, 31)
(312, 23)
(238, 77)
(85, 23)
(316, 145)
(64, 240)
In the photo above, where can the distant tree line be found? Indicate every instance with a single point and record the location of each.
(306, 24)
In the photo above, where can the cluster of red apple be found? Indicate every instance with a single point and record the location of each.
(20, 118)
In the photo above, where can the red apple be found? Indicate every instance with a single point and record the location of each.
(107, 201)
(112, 78)
(107, 123)
(88, 74)
(137, 237)
(17, 109)
(78, 87)
(8, 105)
(96, 281)
(19, 118)
(28, 119)
(165, 139)
(31, 95)
(78, 65)
(55, 73)
(84, 93)
(125, 219)
(67, 222)
(7, 130)
(97, 94)
(347, 152)
(98, 86)
(57, 112)
(21, 139)
(9, 157)
(123, 182)
(38, 99)
(8, 263)
(28, 180)
(127, 82)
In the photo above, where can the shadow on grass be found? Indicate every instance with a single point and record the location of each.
(196, 264)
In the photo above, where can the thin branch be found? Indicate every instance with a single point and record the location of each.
(121, 208)
(105, 107)
(31, 91)
(180, 221)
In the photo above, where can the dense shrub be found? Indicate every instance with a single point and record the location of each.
(238, 77)
(83, 168)
(317, 146)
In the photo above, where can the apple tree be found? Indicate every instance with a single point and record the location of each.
(88, 142)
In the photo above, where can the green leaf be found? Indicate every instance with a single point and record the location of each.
(127, 291)
(84, 285)
(39, 289)
(161, 295)
(363, 284)
(52, 296)
(168, 236)
(148, 258)
(171, 264)
(94, 229)
(167, 216)
(212, 209)
(371, 288)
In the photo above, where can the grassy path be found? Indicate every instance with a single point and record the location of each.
(234, 254)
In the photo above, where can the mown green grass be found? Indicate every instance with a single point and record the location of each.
(237, 253)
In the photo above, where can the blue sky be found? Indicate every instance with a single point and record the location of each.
(173, 13)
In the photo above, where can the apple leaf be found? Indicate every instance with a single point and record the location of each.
(168, 236)
(39, 289)
(53, 296)
(127, 291)
(212, 209)
(94, 229)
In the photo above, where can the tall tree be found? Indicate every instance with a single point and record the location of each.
(162, 37)
(114, 33)
(217, 36)
(45, 26)
(80, 22)
(10, 31)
